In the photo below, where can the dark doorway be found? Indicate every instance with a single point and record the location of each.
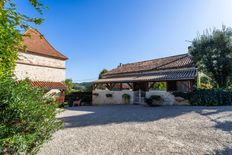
(140, 86)
(171, 86)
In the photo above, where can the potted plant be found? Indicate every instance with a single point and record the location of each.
(126, 98)
(109, 95)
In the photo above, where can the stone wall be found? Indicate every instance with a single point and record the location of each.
(99, 97)
(39, 73)
(115, 99)
(167, 97)
(40, 60)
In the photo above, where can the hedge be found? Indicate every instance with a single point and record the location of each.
(208, 97)
(211, 97)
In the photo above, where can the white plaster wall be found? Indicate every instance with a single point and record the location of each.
(40, 60)
(115, 99)
(168, 98)
(37, 73)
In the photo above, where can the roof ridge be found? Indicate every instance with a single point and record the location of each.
(155, 59)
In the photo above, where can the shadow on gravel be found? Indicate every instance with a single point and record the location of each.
(107, 114)
(226, 151)
(223, 121)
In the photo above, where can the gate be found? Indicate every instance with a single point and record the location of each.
(139, 97)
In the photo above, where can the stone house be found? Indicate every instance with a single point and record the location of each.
(138, 79)
(41, 63)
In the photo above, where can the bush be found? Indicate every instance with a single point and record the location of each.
(126, 98)
(155, 97)
(153, 100)
(211, 97)
(186, 95)
(26, 117)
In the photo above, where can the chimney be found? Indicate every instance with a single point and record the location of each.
(120, 65)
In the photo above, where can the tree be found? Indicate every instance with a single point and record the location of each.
(69, 84)
(102, 72)
(212, 54)
(27, 117)
(11, 24)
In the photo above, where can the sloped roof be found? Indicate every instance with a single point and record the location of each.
(172, 62)
(167, 75)
(35, 43)
(48, 85)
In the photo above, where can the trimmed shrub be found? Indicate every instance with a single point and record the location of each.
(153, 100)
(27, 118)
(211, 97)
(126, 98)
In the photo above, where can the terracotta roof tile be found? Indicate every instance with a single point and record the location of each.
(178, 61)
(37, 44)
(48, 85)
(167, 75)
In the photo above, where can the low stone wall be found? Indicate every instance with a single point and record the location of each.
(99, 97)
(167, 97)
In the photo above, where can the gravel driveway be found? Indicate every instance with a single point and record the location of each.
(130, 129)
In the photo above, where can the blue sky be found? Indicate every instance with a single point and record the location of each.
(97, 34)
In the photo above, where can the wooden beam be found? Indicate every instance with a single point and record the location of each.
(94, 86)
(120, 86)
(131, 86)
(108, 86)
(112, 85)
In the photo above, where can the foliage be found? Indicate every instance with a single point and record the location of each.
(27, 119)
(82, 87)
(204, 82)
(185, 95)
(102, 72)
(126, 98)
(211, 97)
(156, 97)
(153, 100)
(212, 54)
(109, 95)
(69, 85)
(85, 97)
(11, 22)
(159, 86)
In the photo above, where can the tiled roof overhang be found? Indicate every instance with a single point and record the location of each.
(48, 85)
(167, 75)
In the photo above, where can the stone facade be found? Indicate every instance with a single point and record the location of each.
(26, 57)
(99, 97)
(167, 97)
(39, 68)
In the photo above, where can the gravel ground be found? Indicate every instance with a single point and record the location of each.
(130, 129)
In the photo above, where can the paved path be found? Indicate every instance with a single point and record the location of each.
(129, 129)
